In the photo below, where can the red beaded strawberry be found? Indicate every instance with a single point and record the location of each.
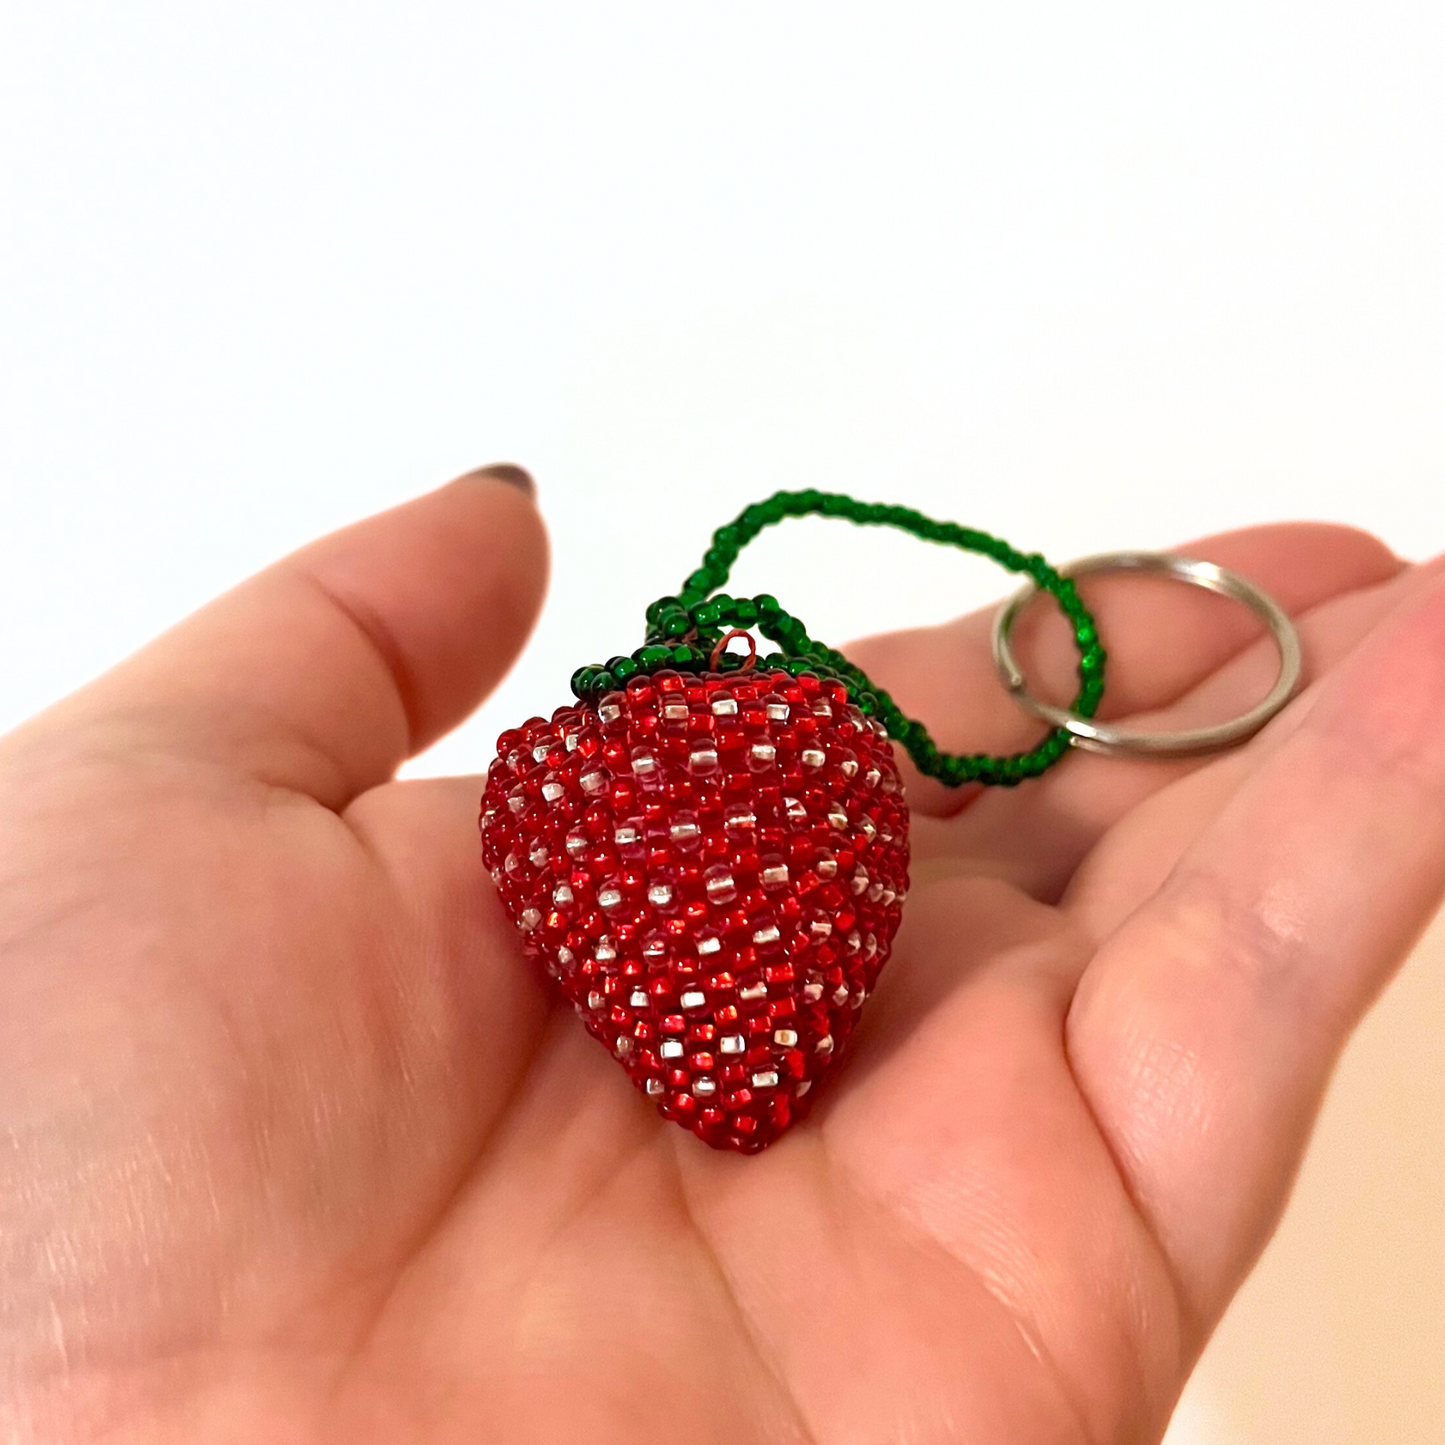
(712, 867)
(709, 858)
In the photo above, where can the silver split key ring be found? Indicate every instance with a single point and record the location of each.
(1101, 737)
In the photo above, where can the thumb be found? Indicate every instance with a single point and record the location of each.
(323, 673)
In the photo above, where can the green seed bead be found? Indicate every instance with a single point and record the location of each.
(652, 658)
(663, 604)
(745, 612)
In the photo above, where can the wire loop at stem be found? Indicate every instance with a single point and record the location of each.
(721, 646)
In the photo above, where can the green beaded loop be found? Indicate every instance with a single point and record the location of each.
(682, 632)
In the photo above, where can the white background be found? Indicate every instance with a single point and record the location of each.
(1086, 276)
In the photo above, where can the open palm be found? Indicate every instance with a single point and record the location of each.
(293, 1147)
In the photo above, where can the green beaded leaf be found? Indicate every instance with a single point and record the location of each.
(682, 632)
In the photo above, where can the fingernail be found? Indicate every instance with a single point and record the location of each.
(508, 472)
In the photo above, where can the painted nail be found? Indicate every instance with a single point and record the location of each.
(508, 472)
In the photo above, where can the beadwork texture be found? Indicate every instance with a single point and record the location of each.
(682, 631)
(711, 867)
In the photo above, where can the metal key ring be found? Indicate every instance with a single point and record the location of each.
(1108, 738)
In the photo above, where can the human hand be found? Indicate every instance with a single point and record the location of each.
(296, 1149)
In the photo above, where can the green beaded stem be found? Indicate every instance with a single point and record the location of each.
(684, 630)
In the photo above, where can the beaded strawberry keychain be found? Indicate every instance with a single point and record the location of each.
(708, 853)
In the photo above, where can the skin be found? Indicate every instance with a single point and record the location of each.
(294, 1148)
